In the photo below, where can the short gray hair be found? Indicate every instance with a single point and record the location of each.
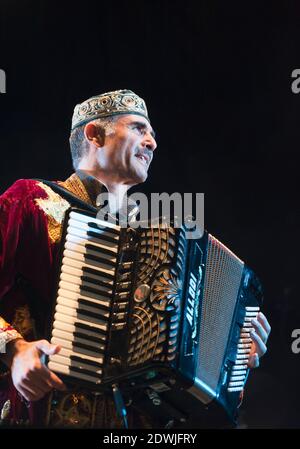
(80, 146)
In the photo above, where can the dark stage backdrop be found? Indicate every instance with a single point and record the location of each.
(216, 77)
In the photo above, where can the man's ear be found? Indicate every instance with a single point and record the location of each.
(94, 134)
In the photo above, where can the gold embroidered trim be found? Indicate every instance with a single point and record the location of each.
(76, 186)
(3, 324)
(54, 207)
(71, 409)
(5, 410)
(6, 337)
(23, 322)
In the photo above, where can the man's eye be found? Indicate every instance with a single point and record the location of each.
(140, 129)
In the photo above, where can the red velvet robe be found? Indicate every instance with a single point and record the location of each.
(31, 215)
(27, 254)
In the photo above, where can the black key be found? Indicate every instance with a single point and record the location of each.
(92, 315)
(77, 345)
(99, 260)
(106, 229)
(86, 289)
(96, 305)
(87, 337)
(97, 273)
(76, 369)
(86, 361)
(94, 281)
(89, 328)
(90, 246)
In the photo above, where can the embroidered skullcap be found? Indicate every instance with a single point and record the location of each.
(108, 104)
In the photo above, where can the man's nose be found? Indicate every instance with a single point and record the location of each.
(150, 142)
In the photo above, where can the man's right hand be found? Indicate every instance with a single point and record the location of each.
(30, 376)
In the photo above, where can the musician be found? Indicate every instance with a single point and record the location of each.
(112, 144)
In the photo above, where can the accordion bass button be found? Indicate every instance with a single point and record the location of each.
(141, 293)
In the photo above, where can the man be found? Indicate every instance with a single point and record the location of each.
(112, 144)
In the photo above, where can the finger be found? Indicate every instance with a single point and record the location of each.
(264, 322)
(32, 388)
(37, 379)
(47, 348)
(28, 393)
(56, 382)
(260, 330)
(260, 347)
(253, 361)
(25, 394)
(53, 380)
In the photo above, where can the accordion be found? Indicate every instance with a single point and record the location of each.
(150, 308)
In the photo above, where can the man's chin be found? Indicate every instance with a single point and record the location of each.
(140, 174)
(137, 178)
(141, 177)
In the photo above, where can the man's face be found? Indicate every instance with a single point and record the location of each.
(127, 152)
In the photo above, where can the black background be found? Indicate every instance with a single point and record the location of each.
(216, 77)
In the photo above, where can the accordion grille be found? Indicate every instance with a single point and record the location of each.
(153, 332)
(223, 275)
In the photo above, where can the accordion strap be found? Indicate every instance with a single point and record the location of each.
(67, 195)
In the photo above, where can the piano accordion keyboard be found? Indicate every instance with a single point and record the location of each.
(84, 297)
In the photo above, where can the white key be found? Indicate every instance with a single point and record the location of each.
(240, 362)
(243, 351)
(244, 345)
(71, 320)
(66, 344)
(237, 378)
(238, 372)
(81, 258)
(81, 241)
(75, 294)
(245, 335)
(74, 313)
(101, 236)
(70, 337)
(70, 262)
(247, 325)
(77, 274)
(75, 280)
(242, 356)
(68, 353)
(234, 389)
(236, 384)
(71, 328)
(66, 361)
(57, 367)
(239, 367)
(251, 315)
(245, 341)
(86, 251)
(86, 219)
(246, 329)
(76, 305)
(80, 308)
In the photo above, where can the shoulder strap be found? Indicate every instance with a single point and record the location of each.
(67, 195)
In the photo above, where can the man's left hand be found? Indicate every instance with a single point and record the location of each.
(259, 336)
